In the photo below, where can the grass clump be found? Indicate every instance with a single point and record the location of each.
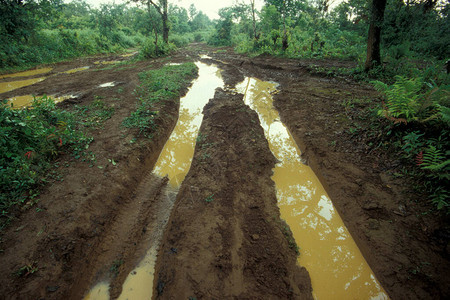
(158, 85)
(30, 139)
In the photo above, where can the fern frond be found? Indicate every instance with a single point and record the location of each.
(444, 113)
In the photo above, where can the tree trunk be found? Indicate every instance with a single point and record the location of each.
(284, 41)
(162, 10)
(255, 35)
(165, 21)
(374, 35)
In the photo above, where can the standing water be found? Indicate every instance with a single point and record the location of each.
(174, 161)
(334, 262)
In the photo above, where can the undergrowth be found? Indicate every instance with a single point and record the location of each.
(158, 85)
(418, 113)
(30, 139)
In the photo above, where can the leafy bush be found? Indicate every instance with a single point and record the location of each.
(180, 40)
(52, 45)
(30, 139)
(151, 50)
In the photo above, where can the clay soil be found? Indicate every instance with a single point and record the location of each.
(224, 237)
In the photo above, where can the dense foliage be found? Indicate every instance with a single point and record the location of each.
(40, 31)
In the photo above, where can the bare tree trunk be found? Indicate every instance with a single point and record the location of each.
(374, 35)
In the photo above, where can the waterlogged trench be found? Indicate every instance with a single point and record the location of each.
(336, 267)
(174, 162)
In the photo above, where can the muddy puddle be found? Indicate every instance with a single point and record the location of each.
(26, 100)
(337, 268)
(107, 84)
(13, 85)
(175, 159)
(107, 62)
(174, 162)
(27, 73)
(71, 71)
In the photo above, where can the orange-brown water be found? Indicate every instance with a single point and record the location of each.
(12, 85)
(327, 250)
(106, 62)
(27, 100)
(27, 73)
(71, 71)
(174, 161)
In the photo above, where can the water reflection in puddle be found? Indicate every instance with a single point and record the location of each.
(76, 70)
(139, 283)
(174, 161)
(12, 85)
(107, 84)
(27, 100)
(334, 262)
(107, 62)
(27, 73)
(129, 54)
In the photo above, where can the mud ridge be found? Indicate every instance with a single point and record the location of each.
(400, 246)
(224, 237)
(93, 217)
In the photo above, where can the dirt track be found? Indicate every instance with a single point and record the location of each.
(233, 245)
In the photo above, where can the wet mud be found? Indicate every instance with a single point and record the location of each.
(401, 239)
(327, 250)
(224, 236)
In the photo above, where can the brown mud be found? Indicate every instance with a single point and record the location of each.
(224, 237)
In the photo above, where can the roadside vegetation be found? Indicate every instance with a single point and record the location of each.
(36, 32)
(157, 86)
(30, 141)
(409, 67)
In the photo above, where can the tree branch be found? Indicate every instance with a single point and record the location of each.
(158, 8)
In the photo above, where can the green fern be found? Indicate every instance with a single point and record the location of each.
(440, 198)
(444, 112)
(436, 162)
(408, 100)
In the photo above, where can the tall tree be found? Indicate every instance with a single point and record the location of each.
(255, 34)
(374, 35)
(161, 7)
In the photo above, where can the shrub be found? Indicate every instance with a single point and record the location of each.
(30, 139)
(151, 50)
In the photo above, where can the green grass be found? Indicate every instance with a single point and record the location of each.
(94, 114)
(164, 84)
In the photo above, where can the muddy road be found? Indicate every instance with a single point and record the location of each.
(217, 232)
